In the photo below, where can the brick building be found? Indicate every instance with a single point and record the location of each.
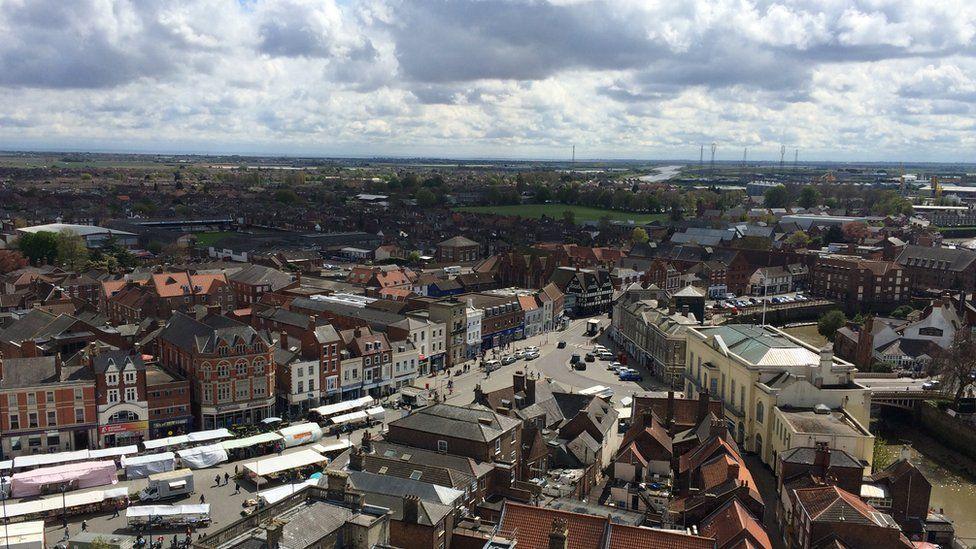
(860, 284)
(45, 406)
(457, 250)
(939, 268)
(230, 366)
(253, 281)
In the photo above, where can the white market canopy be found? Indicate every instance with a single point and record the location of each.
(168, 510)
(263, 438)
(344, 406)
(200, 436)
(284, 462)
(349, 418)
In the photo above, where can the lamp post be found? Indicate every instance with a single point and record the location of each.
(6, 519)
(64, 506)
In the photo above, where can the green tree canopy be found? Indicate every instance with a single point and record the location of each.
(639, 235)
(809, 197)
(776, 197)
(830, 322)
(40, 247)
(72, 251)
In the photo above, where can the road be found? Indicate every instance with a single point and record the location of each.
(226, 504)
(893, 384)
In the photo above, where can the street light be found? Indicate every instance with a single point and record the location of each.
(6, 519)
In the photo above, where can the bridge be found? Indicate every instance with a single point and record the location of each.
(899, 392)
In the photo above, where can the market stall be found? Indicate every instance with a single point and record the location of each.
(52, 507)
(323, 414)
(72, 476)
(256, 445)
(334, 448)
(201, 457)
(24, 535)
(303, 433)
(143, 466)
(144, 517)
(278, 466)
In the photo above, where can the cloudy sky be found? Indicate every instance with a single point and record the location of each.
(845, 80)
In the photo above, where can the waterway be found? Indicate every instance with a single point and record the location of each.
(662, 173)
(953, 476)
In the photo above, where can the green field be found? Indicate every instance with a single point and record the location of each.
(583, 213)
(208, 239)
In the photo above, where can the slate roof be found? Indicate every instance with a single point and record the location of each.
(119, 358)
(204, 335)
(457, 422)
(935, 257)
(832, 504)
(458, 242)
(409, 454)
(806, 456)
(259, 274)
(31, 372)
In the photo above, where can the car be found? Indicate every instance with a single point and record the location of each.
(574, 359)
(531, 355)
(532, 349)
(579, 365)
(606, 355)
(508, 359)
(801, 297)
(599, 349)
(519, 353)
(628, 374)
(931, 385)
(589, 357)
(561, 345)
(730, 296)
(614, 366)
(753, 300)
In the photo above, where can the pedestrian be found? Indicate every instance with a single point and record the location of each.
(226, 479)
(84, 526)
(217, 480)
(189, 533)
(237, 487)
(203, 499)
(116, 508)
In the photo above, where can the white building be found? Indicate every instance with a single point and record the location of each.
(94, 236)
(472, 338)
(406, 359)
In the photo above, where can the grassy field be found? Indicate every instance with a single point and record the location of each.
(583, 213)
(807, 333)
(208, 239)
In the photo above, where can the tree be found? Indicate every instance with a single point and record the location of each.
(776, 197)
(833, 234)
(902, 312)
(72, 252)
(830, 322)
(956, 365)
(809, 197)
(11, 260)
(286, 196)
(639, 236)
(799, 239)
(414, 257)
(569, 216)
(426, 198)
(855, 231)
(40, 247)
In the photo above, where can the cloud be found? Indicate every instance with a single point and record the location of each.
(491, 77)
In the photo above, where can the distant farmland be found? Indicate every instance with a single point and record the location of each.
(582, 213)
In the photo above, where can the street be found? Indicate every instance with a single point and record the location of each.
(226, 505)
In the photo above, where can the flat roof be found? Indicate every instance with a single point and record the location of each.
(81, 230)
(806, 420)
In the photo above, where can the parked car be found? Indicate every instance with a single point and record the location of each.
(730, 296)
(508, 359)
(629, 374)
(589, 357)
(931, 385)
(574, 359)
(614, 366)
(531, 355)
(561, 345)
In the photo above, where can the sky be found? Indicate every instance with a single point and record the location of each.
(644, 79)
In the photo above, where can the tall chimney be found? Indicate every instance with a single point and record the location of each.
(284, 341)
(821, 457)
(411, 509)
(273, 533)
(669, 413)
(57, 365)
(356, 459)
(530, 390)
(558, 534)
(367, 444)
(702, 406)
(336, 485)
(518, 381)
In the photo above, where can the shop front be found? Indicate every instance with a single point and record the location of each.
(170, 427)
(123, 432)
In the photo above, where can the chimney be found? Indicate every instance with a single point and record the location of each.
(718, 427)
(213, 310)
(284, 341)
(1, 365)
(356, 459)
(518, 381)
(702, 406)
(906, 453)
(530, 390)
(357, 332)
(411, 509)
(669, 412)
(479, 395)
(367, 444)
(336, 485)
(273, 532)
(821, 457)
(57, 365)
(558, 534)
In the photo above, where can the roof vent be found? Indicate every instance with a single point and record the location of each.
(484, 420)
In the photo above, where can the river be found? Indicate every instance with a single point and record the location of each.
(662, 173)
(953, 490)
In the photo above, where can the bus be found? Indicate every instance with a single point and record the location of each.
(592, 327)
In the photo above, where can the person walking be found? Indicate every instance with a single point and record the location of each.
(226, 479)
(217, 480)
(84, 526)
(203, 499)
(116, 508)
(237, 487)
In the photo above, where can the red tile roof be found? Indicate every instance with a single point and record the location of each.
(635, 537)
(179, 284)
(732, 525)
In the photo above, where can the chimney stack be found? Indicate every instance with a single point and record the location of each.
(479, 395)
(821, 458)
(905, 453)
(530, 390)
(273, 533)
(367, 445)
(411, 509)
(702, 406)
(558, 534)
(669, 413)
(518, 381)
(57, 365)
(336, 485)
(283, 341)
(356, 459)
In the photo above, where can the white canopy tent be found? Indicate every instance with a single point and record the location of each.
(341, 407)
(351, 417)
(278, 464)
(263, 438)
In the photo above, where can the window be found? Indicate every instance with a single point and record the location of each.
(52, 418)
(301, 371)
(223, 392)
(79, 415)
(49, 397)
(208, 394)
(130, 377)
(12, 400)
(369, 361)
(498, 445)
(223, 369)
(31, 399)
(15, 444)
(112, 379)
(112, 396)
(53, 440)
(33, 442)
(311, 384)
(259, 363)
(15, 421)
(32, 420)
(242, 390)
(301, 387)
(241, 368)
(131, 394)
(759, 412)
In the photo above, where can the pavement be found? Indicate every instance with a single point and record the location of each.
(226, 505)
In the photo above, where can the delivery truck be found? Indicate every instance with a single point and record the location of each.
(168, 485)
